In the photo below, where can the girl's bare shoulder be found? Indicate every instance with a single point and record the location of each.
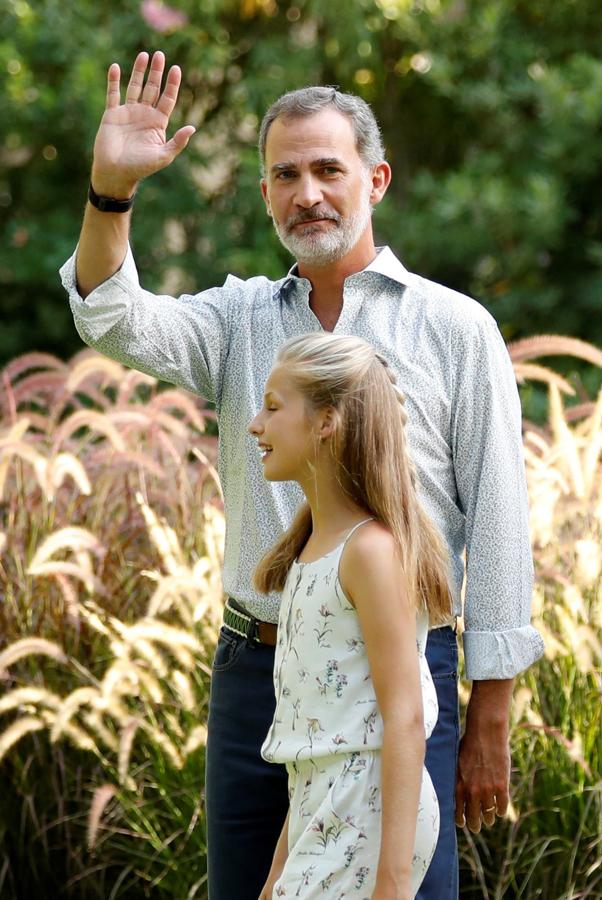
(371, 536)
(371, 546)
(370, 568)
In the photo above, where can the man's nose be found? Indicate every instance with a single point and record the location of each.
(309, 191)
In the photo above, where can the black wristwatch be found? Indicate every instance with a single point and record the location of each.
(109, 204)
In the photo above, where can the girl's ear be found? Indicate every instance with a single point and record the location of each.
(327, 422)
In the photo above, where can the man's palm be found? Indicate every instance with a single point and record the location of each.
(131, 143)
(132, 138)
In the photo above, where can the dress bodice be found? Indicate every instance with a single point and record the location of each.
(325, 698)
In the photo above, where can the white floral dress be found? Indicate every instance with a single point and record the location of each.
(328, 730)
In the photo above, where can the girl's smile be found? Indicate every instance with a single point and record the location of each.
(265, 451)
(287, 431)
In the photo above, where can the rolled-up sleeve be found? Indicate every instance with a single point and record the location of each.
(181, 340)
(499, 640)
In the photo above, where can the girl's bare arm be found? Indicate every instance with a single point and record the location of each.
(372, 577)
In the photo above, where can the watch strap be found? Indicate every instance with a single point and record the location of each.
(109, 204)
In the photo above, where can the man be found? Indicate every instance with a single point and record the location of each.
(323, 172)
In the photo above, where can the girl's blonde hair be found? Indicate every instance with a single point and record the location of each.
(372, 462)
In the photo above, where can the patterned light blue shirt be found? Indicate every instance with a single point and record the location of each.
(464, 420)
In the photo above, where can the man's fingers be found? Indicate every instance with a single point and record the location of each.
(473, 814)
(502, 800)
(113, 89)
(137, 78)
(489, 812)
(168, 98)
(152, 88)
(460, 819)
(474, 810)
(177, 143)
(182, 136)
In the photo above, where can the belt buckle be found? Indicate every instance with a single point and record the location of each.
(252, 630)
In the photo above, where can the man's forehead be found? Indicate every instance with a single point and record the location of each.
(324, 134)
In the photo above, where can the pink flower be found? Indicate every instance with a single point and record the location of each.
(161, 17)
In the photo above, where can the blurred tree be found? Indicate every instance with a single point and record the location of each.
(491, 111)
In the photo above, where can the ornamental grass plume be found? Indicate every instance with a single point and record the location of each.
(102, 796)
(148, 691)
(110, 557)
(78, 442)
(550, 845)
(146, 667)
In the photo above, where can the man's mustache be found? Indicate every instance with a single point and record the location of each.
(312, 215)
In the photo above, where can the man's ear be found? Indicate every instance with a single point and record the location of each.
(381, 179)
(264, 193)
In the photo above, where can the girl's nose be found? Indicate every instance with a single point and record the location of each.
(255, 426)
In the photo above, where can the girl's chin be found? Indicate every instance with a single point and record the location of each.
(271, 473)
(273, 476)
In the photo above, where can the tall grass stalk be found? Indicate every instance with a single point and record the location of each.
(105, 672)
(551, 845)
(110, 551)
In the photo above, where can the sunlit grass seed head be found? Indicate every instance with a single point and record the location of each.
(31, 646)
(31, 696)
(183, 688)
(589, 561)
(102, 796)
(197, 738)
(126, 742)
(70, 706)
(19, 728)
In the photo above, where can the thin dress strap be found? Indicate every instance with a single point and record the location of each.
(355, 528)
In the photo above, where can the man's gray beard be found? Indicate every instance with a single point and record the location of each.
(327, 246)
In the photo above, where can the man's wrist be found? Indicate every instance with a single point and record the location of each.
(489, 704)
(109, 204)
(114, 188)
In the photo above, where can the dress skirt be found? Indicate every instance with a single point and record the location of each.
(335, 828)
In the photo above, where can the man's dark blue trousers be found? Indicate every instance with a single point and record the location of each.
(246, 797)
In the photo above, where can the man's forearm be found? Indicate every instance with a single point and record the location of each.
(489, 703)
(102, 244)
(483, 777)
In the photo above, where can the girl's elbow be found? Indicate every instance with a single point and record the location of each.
(410, 723)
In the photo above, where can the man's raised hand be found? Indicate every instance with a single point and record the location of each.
(131, 143)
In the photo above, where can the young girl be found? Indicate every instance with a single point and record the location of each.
(362, 570)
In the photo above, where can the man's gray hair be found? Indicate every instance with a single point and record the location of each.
(311, 100)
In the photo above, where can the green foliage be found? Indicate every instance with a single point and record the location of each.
(491, 113)
(552, 846)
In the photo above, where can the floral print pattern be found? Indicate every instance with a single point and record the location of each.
(328, 730)
(335, 828)
(325, 697)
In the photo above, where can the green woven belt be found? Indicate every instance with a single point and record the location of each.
(237, 621)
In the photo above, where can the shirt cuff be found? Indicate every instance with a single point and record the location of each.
(493, 655)
(107, 303)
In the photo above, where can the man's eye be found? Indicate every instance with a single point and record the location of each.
(285, 176)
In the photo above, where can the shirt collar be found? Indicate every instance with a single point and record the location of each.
(384, 263)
